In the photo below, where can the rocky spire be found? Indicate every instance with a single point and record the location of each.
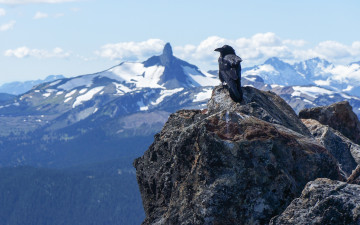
(167, 55)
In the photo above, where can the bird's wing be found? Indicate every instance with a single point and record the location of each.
(231, 66)
(233, 60)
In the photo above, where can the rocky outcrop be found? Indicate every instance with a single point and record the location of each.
(230, 164)
(264, 105)
(343, 149)
(338, 116)
(323, 201)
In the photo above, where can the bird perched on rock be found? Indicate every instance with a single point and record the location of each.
(230, 71)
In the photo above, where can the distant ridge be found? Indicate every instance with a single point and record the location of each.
(18, 87)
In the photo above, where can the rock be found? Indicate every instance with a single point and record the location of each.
(323, 201)
(338, 116)
(223, 165)
(264, 105)
(343, 149)
(354, 178)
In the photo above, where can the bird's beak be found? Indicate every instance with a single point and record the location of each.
(218, 49)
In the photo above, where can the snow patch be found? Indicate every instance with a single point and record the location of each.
(121, 89)
(60, 93)
(142, 106)
(322, 82)
(68, 99)
(276, 85)
(252, 79)
(262, 69)
(199, 78)
(311, 91)
(55, 83)
(88, 96)
(70, 93)
(308, 101)
(138, 74)
(349, 88)
(166, 93)
(204, 95)
(82, 91)
(46, 94)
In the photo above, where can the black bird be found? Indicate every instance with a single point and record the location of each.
(230, 71)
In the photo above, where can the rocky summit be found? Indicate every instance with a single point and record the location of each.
(232, 163)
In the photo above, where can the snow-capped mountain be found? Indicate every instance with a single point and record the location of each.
(132, 99)
(275, 71)
(164, 71)
(316, 71)
(313, 69)
(147, 84)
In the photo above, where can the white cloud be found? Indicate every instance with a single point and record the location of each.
(332, 49)
(40, 15)
(18, 2)
(7, 26)
(24, 51)
(131, 50)
(259, 47)
(253, 50)
(2, 12)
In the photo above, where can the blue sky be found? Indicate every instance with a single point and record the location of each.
(43, 37)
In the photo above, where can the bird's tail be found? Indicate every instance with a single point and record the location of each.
(235, 91)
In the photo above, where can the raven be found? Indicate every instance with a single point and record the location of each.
(230, 71)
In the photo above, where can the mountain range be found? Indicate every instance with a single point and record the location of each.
(316, 71)
(64, 124)
(17, 87)
(134, 99)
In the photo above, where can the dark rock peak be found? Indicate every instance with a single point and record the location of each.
(338, 116)
(174, 75)
(167, 50)
(167, 56)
